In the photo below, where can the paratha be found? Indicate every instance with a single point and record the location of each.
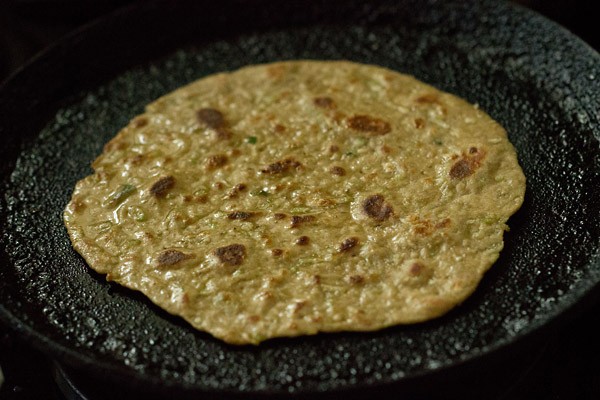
(300, 197)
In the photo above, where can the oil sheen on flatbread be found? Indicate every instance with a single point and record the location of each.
(300, 197)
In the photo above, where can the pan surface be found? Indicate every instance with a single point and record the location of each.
(539, 81)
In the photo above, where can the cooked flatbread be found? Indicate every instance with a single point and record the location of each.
(300, 197)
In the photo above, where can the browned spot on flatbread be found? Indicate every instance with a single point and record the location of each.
(302, 241)
(276, 71)
(219, 185)
(416, 268)
(140, 122)
(171, 257)
(253, 319)
(356, 279)
(337, 170)
(236, 190)
(114, 145)
(211, 118)
(326, 202)
(276, 252)
(376, 208)
(366, 123)
(425, 227)
(282, 166)
(161, 187)
(188, 198)
(279, 216)
(428, 98)
(461, 169)
(300, 305)
(385, 149)
(431, 99)
(216, 161)
(279, 128)
(417, 274)
(137, 159)
(443, 223)
(78, 205)
(324, 102)
(348, 244)
(298, 220)
(419, 123)
(231, 255)
(242, 215)
(185, 299)
(467, 164)
(223, 134)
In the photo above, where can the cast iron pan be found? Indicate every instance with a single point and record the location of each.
(535, 78)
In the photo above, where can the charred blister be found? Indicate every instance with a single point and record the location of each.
(232, 255)
(366, 123)
(161, 187)
(171, 257)
(376, 208)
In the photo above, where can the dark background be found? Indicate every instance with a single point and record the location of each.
(566, 365)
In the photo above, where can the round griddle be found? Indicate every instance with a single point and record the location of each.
(539, 81)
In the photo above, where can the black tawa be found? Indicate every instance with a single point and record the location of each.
(539, 81)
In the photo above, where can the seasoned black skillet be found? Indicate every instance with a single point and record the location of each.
(538, 80)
